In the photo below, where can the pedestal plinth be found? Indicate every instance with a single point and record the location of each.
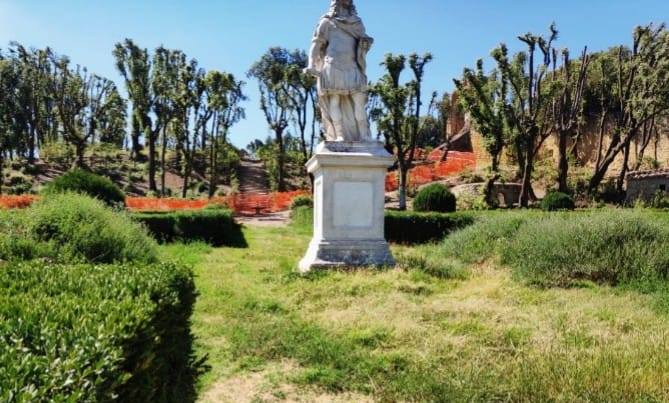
(349, 199)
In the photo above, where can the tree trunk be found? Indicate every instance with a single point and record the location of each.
(152, 160)
(80, 150)
(2, 166)
(136, 134)
(31, 146)
(490, 184)
(563, 164)
(162, 162)
(280, 160)
(403, 183)
(620, 184)
(526, 188)
(213, 158)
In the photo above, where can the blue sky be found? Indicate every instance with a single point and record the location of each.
(230, 35)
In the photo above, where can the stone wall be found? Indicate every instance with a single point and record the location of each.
(644, 185)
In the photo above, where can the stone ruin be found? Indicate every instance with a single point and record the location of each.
(644, 185)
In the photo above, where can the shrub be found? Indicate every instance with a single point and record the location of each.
(557, 201)
(78, 228)
(415, 228)
(84, 182)
(96, 333)
(302, 201)
(660, 200)
(484, 239)
(216, 227)
(435, 198)
(609, 247)
(402, 227)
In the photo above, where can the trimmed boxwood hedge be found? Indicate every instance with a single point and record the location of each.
(213, 226)
(412, 228)
(96, 333)
(408, 228)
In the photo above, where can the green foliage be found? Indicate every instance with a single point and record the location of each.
(556, 201)
(416, 228)
(660, 200)
(564, 249)
(482, 240)
(74, 228)
(216, 227)
(609, 247)
(302, 201)
(406, 228)
(96, 333)
(436, 198)
(87, 183)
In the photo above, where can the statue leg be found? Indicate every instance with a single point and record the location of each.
(360, 106)
(337, 117)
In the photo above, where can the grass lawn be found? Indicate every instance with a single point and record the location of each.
(271, 335)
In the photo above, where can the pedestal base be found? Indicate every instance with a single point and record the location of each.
(324, 255)
(349, 198)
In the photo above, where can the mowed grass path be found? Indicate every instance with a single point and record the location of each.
(271, 335)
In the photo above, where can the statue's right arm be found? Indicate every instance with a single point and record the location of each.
(315, 52)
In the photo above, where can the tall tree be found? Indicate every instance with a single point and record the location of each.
(82, 101)
(398, 112)
(271, 72)
(567, 108)
(641, 94)
(134, 65)
(224, 97)
(528, 113)
(303, 98)
(486, 97)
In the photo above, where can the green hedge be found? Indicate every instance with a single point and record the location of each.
(96, 333)
(416, 228)
(215, 227)
(408, 228)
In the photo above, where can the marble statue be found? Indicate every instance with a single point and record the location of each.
(337, 58)
(349, 168)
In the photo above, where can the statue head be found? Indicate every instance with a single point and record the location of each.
(337, 8)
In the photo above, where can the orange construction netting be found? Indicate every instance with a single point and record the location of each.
(436, 170)
(16, 202)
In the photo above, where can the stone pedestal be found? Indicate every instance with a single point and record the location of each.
(349, 199)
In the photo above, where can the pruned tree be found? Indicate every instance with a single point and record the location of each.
(485, 97)
(398, 112)
(134, 64)
(528, 113)
(82, 100)
(640, 93)
(567, 107)
(271, 72)
(224, 97)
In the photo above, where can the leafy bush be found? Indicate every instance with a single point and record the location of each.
(84, 182)
(484, 239)
(557, 201)
(96, 333)
(74, 228)
(563, 249)
(302, 201)
(609, 247)
(435, 198)
(416, 228)
(660, 200)
(216, 227)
